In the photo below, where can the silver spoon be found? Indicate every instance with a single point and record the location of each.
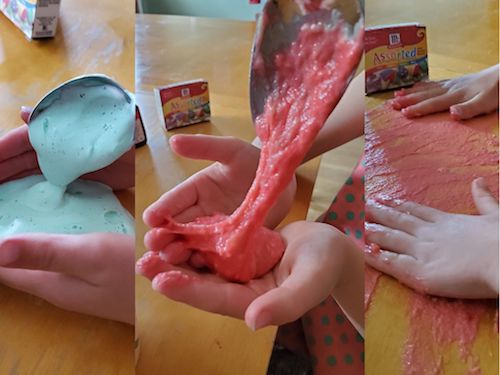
(278, 28)
(88, 80)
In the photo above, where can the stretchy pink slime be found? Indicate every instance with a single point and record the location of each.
(312, 76)
(432, 160)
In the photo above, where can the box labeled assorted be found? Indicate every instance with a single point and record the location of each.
(184, 103)
(35, 18)
(395, 56)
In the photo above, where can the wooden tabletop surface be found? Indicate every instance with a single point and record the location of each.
(456, 47)
(92, 37)
(172, 49)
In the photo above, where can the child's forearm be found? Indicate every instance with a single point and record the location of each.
(350, 289)
(345, 123)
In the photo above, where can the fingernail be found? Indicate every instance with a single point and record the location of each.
(9, 252)
(405, 112)
(480, 182)
(455, 113)
(395, 104)
(25, 109)
(399, 93)
(371, 202)
(385, 200)
(263, 320)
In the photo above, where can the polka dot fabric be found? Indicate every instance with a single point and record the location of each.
(331, 342)
(334, 345)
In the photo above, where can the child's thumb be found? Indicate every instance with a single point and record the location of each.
(483, 199)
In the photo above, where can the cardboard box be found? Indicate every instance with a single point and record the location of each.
(140, 138)
(184, 103)
(36, 18)
(395, 56)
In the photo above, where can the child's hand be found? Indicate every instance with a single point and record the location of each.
(310, 269)
(443, 254)
(219, 188)
(18, 159)
(89, 273)
(465, 97)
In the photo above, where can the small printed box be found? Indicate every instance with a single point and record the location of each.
(36, 18)
(183, 103)
(140, 138)
(395, 56)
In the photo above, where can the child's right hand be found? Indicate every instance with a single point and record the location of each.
(318, 261)
(465, 97)
(439, 253)
(219, 188)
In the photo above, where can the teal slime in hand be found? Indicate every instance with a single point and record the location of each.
(84, 128)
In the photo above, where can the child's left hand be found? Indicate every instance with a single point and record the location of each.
(18, 159)
(308, 272)
(88, 273)
(439, 253)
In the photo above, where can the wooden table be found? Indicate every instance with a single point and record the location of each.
(462, 38)
(92, 36)
(175, 337)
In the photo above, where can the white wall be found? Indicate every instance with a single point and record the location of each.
(232, 9)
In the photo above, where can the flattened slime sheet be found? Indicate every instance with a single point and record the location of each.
(313, 74)
(432, 161)
(84, 129)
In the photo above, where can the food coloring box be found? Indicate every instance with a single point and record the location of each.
(395, 56)
(35, 18)
(182, 104)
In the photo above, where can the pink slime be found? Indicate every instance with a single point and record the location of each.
(432, 160)
(311, 78)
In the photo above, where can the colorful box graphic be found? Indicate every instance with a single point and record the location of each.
(184, 103)
(395, 56)
(36, 18)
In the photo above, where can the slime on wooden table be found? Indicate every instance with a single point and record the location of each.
(432, 160)
(311, 77)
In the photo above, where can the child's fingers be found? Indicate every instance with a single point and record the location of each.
(76, 255)
(14, 143)
(433, 105)
(204, 291)
(399, 266)
(150, 265)
(190, 214)
(16, 165)
(25, 113)
(59, 289)
(404, 101)
(207, 147)
(29, 281)
(301, 290)
(392, 218)
(473, 107)
(157, 239)
(390, 239)
(197, 260)
(420, 211)
(172, 203)
(175, 253)
(484, 201)
(56, 288)
(417, 87)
